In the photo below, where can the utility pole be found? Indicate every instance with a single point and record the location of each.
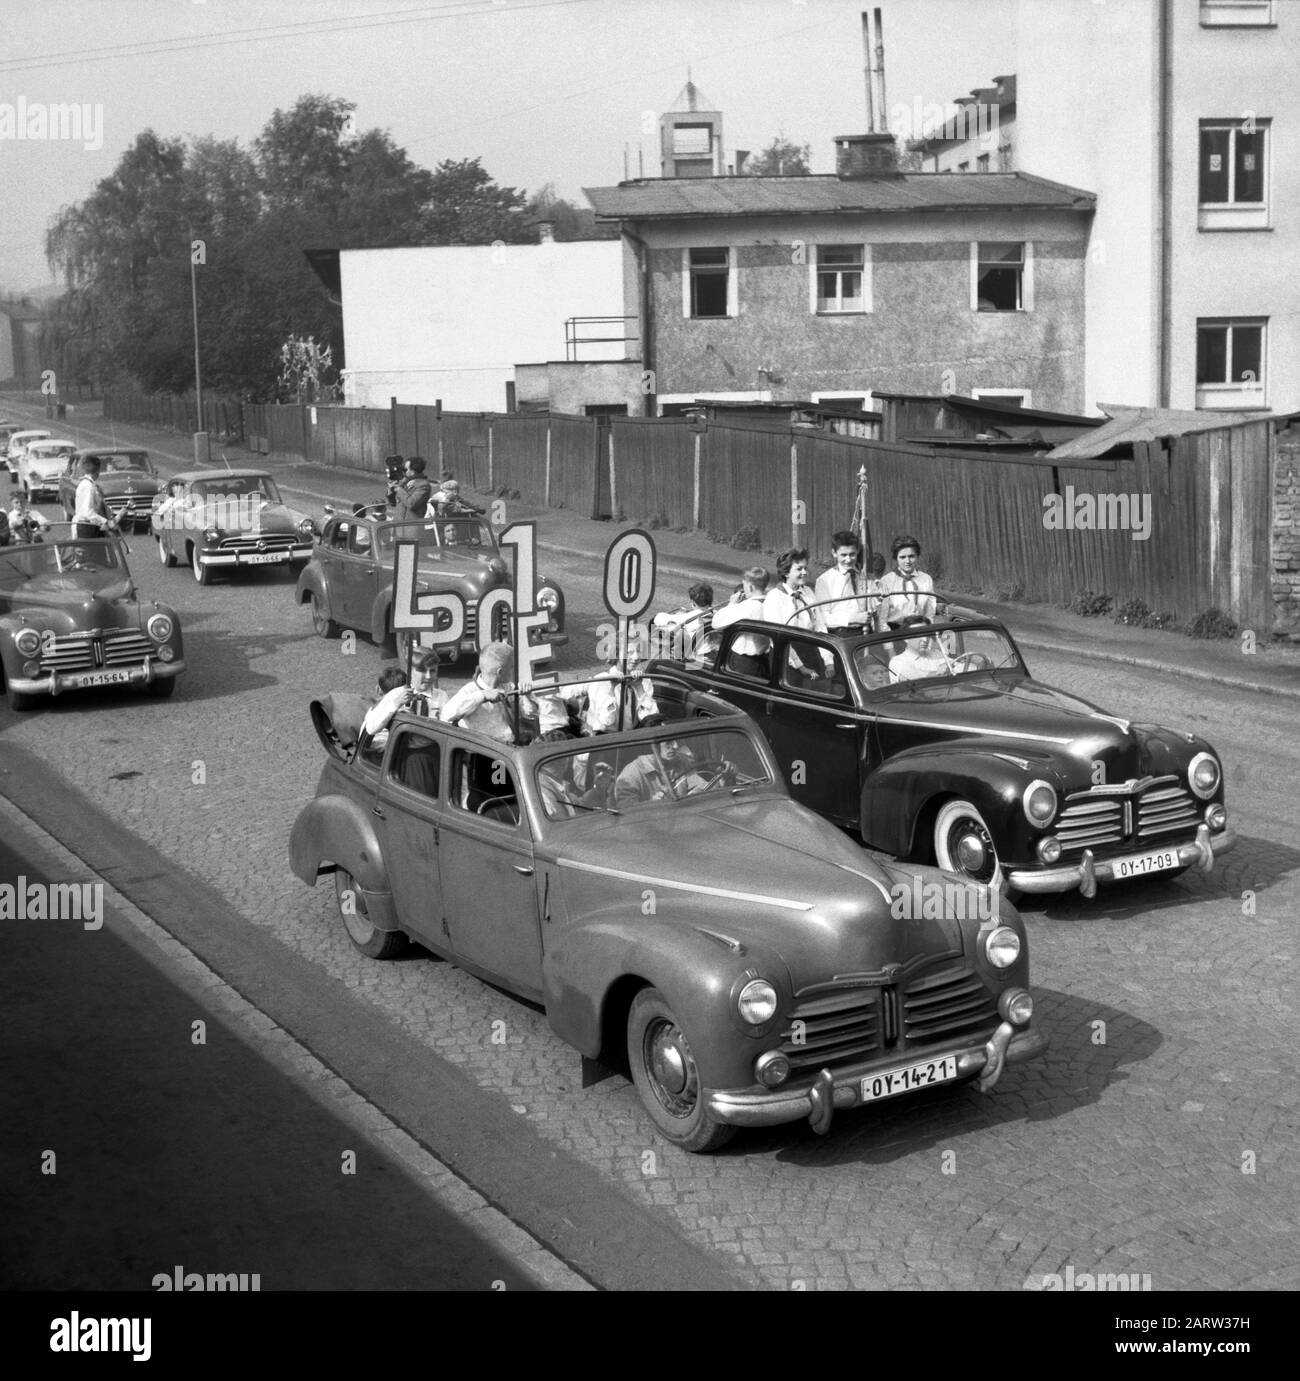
(202, 451)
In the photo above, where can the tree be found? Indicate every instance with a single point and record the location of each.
(571, 222)
(781, 158)
(470, 209)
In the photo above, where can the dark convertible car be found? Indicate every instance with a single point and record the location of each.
(936, 743)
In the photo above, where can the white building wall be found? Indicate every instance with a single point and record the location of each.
(1087, 103)
(451, 322)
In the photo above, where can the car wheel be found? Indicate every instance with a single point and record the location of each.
(202, 573)
(375, 944)
(963, 844)
(165, 554)
(321, 623)
(161, 688)
(664, 1072)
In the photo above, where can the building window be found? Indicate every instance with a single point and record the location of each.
(1229, 364)
(1020, 397)
(708, 273)
(963, 167)
(982, 163)
(1233, 174)
(1000, 277)
(692, 140)
(1236, 13)
(840, 273)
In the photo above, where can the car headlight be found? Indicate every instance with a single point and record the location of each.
(1039, 803)
(757, 1002)
(160, 628)
(27, 641)
(547, 598)
(1016, 1006)
(211, 535)
(1002, 947)
(1203, 775)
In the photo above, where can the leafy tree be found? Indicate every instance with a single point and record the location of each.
(468, 208)
(571, 222)
(782, 158)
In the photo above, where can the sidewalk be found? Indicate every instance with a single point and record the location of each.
(684, 558)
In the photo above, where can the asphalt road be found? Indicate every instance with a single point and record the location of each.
(1156, 1137)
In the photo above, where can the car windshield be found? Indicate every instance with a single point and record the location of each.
(58, 558)
(135, 461)
(671, 767)
(442, 532)
(237, 487)
(50, 450)
(919, 654)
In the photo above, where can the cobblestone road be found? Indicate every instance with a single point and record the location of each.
(1157, 1136)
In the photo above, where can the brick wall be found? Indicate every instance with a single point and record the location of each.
(1286, 535)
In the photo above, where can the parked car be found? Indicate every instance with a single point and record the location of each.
(349, 580)
(658, 892)
(971, 763)
(127, 479)
(42, 466)
(18, 443)
(70, 618)
(216, 520)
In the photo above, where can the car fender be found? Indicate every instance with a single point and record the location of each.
(311, 581)
(335, 829)
(379, 615)
(695, 963)
(896, 795)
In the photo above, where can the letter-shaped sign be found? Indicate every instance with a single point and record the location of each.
(629, 580)
(418, 613)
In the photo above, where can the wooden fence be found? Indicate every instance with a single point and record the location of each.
(980, 518)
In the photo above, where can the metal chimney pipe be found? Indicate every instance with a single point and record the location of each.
(867, 73)
(880, 71)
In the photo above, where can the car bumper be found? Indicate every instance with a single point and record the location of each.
(38, 487)
(843, 1089)
(1089, 871)
(58, 681)
(290, 556)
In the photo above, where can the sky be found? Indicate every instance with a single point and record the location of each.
(541, 90)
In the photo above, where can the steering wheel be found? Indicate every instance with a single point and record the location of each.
(974, 661)
(715, 770)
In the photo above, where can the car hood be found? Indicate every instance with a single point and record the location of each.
(270, 518)
(479, 568)
(78, 599)
(766, 872)
(1035, 720)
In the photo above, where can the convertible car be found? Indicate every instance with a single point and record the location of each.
(229, 520)
(674, 911)
(70, 618)
(349, 580)
(127, 480)
(935, 743)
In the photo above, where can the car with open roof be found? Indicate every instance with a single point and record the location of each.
(349, 580)
(676, 914)
(935, 743)
(128, 480)
(228, 521)
(72, 619)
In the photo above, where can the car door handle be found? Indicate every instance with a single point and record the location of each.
(845, 724)
(523, 869)
(376, 810)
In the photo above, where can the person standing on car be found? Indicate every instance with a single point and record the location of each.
(789, 603)
(90, 517)
(906, 589)
(847, 585)
(415, 491)
(747, 652)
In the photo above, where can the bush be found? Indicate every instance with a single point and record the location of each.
(1211, 623)
(1138, 614)
(1010, 594)
(1089, 604)
(747, 539)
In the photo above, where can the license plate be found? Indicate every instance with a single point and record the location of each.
(265, 558)
(916, 1076)
(1139, 865)
(99, 678)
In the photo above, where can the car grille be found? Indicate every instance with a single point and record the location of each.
(946, 1006)
(1092, 819)
(137, 505)
(87, 651)
(851, 1025)
(252, 543)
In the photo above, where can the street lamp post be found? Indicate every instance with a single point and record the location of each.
(202, 451)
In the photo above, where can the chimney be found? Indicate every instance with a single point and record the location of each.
(865, 155)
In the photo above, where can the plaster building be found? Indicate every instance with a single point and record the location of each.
(977, 134)
(1182, 116)
(452, 322)
(830, 287)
